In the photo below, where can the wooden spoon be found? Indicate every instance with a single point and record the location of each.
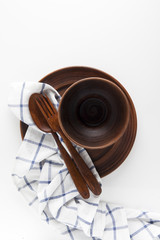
(51, 116)
(42, 124)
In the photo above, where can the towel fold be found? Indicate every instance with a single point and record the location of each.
(40, 174)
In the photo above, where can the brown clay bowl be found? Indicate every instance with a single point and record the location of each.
(94, 113)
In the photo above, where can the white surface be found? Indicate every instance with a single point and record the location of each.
(120, 37)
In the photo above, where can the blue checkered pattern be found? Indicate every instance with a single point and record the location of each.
(42, 177)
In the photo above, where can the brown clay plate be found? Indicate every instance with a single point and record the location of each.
(108, 159)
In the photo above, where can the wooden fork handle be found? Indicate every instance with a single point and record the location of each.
(74, 172)
(88, 176)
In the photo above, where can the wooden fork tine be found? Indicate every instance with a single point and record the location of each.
(44, 105)
(41, 109)
(49, 108)
(51, 104)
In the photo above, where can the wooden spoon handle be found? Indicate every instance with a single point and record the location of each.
(75, 174)
(90, 179)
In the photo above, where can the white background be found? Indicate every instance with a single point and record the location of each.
(119, 37)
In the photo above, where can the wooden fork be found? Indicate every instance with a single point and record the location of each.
(51, 115)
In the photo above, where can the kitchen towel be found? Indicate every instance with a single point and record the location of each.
(40, 174)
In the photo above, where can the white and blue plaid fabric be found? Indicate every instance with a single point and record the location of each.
(40, 174)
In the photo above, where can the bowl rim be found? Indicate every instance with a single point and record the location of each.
(118, 136)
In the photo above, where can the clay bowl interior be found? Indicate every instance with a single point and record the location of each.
(94, 113)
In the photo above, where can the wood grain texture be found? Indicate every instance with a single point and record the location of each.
(108, 159)
(40, 119)
(50, 115)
